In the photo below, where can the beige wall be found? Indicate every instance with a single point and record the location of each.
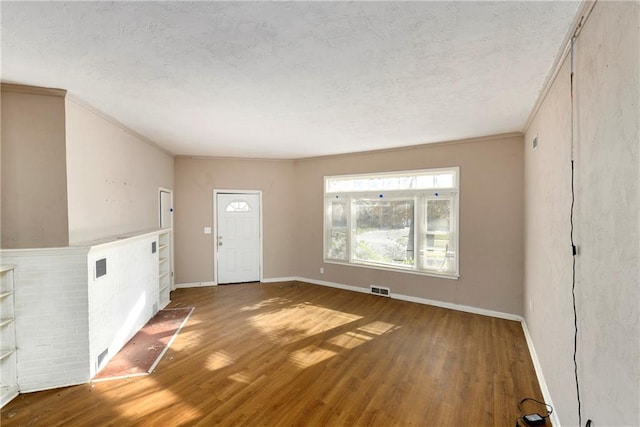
(113, 177)
(607, 188)
(491, 222)
(491, 219)
(195, 181)
(34, 178)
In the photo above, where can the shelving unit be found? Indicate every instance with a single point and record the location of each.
(8, 363)
(164, 267)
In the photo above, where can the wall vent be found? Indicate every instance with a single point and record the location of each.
(379, 290)
(101, 267)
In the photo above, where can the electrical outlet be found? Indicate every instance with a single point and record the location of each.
(321, 270)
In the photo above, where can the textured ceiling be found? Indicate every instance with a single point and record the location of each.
(291, 79)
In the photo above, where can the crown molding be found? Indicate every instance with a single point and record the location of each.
(32, 90)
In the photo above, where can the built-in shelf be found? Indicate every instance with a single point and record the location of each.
(164, 267)
(8, 361)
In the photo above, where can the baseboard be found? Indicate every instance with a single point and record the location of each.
(51, 387)
(458, 307)
(333, 285)
(409, 298)
(195, 285)
(279, 279)
(541, 381)
(9, 396)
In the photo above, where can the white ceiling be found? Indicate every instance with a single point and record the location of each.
(291, 79)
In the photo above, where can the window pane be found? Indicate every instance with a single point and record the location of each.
(338, 214)
(384, 231)
(409, 181)
(337, 245)
(439, 215)
(438, 252)
(238, 206)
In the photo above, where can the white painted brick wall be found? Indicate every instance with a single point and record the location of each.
(65, 318)
(121, 302)
(52, 333)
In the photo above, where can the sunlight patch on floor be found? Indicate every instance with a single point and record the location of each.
(377, 327)
(241, 377)
(186, 338)
(162, 398)
(349, 340)
(218, 360)
(310, 355)
(291, 324)
(266, 303)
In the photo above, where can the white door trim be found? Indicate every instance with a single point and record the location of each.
(214, 241)
(172, 279)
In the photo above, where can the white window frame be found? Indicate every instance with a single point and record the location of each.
(418, 195)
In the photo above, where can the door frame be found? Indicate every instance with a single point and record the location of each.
(214, 233)
(172, 279)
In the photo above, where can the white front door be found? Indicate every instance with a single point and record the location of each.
(238, 237)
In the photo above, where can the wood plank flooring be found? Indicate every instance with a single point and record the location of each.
(295, 354)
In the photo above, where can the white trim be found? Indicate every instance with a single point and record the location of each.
(195, 285)
(555, 420)
(334, 285)
(579, 19)
(417, 172)
(425, 301)
(12, 393)
(51, 387)
(64, 251)
(279, 279)
(421, 197)
(111, 242)
(172, 276)
(214, 233)
(90, 108)
(458, 307)
(392, 269)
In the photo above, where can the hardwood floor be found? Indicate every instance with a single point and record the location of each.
(293, 354)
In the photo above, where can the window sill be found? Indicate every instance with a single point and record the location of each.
(394, 270)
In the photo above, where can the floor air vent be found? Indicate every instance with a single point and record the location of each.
(379, 290)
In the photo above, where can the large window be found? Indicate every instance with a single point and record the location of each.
(401, 220)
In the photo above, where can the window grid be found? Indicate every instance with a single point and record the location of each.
(413, 230)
